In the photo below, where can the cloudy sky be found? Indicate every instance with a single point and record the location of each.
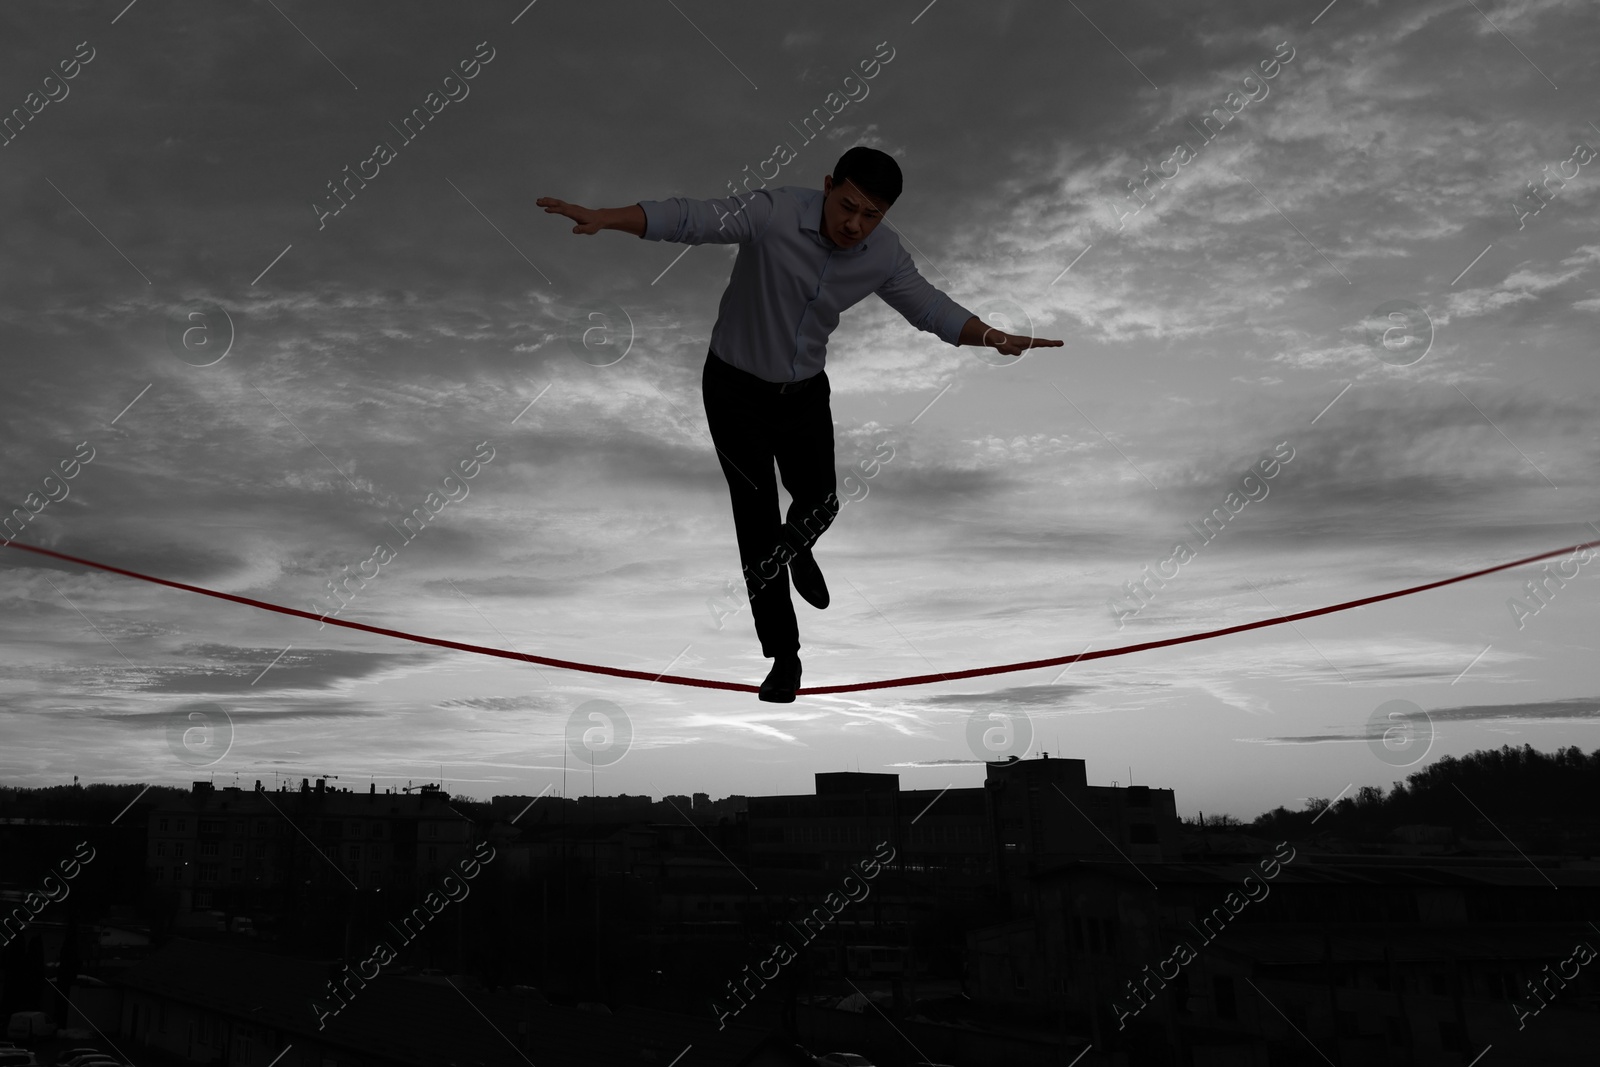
(1241, 306)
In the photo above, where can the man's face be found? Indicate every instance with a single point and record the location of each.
(848, 214)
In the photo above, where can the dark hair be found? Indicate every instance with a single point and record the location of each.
(873, 172)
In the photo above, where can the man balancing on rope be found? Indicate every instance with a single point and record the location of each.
(805, 255)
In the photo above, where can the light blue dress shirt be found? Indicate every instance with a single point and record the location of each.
(790, 282)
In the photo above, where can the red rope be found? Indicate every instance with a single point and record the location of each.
(742, 687)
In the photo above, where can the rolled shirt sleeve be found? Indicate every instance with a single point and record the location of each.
(921, 303)
(720, 220)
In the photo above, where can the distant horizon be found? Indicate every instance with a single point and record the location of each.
(659, 798)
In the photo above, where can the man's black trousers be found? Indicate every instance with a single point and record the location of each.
(754, 422)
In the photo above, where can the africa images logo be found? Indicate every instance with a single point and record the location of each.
(1255, 888)
(813, 924)
(451, 889)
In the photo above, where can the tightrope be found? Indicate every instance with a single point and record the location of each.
(744, 687)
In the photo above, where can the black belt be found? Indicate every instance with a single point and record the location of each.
(756, 382)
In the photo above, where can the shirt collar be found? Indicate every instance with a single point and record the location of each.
(811, 220)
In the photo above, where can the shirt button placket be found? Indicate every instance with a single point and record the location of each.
(815, 294)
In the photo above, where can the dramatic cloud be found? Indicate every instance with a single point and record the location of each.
(1215, 300)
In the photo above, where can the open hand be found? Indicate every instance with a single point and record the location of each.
(1014, 344)
(588, 219)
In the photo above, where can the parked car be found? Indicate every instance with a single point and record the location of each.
(27, 1025)
(843, 1059)
(17, 1057)
(86, 1059)
(74, 1053)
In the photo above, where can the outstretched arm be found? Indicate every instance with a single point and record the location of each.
(628, 219)
(929, 309)
(721, 220)
(977, 332)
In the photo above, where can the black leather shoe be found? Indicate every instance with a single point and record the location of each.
(807, 579)
(782, 681)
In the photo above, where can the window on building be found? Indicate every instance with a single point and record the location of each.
(433, 829)
(158, 873)
(377, 829)
(161, 848)
(236, 874)
(208, 848)
(261, 850)
(433, 853)
(161, 824)
(181, 824)
(353, 852)
(1180, 997)
(177, 849)
(238, 850)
